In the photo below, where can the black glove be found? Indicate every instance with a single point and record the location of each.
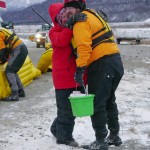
(79, 75)
(80, 17)
(3, 57)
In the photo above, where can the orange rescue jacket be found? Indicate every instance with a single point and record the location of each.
(8, 39)
(83, 35)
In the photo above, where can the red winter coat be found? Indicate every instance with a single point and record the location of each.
(63, 62)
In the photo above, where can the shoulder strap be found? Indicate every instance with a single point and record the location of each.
(108, 35)
(102, 18)
(10, 36)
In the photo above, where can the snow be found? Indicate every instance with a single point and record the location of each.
(133, 102)
(134, 105)
(131, 29)
(148, 20)
(132, 33)
(77, 94)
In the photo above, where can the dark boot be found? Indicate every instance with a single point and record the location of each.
(70, 142)
(53, 127)
(21, 93)
(114, 140)
(53, 132)
(13, 97)
(96, 145)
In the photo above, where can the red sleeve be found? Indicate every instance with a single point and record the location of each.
(60, 38)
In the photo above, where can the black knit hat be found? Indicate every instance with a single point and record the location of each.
(76, 4)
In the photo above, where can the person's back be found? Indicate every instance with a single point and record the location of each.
(93, 26)
(9, 39)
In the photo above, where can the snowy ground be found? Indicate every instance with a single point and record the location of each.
(24, 125)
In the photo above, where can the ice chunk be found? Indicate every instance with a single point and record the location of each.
(76, 94)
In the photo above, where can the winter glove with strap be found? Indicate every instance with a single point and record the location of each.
(79, 75)
(80, 17)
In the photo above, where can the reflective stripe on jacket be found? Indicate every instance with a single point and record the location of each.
(83, 32)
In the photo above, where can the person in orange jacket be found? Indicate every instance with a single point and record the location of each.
(63, 69)
(98, 52)
(13, 51)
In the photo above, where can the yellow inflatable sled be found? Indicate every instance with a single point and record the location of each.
(45, 61)
(27, 73)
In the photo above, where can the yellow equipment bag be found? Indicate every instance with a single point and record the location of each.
(4, 86)
(45, 61)
(27, 73)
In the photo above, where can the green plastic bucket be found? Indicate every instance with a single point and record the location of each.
(83, 105)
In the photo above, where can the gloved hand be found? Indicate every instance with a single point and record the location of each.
(3, 58)
(79, 75)
(80, 17)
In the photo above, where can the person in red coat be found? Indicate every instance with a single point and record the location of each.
(63, 70)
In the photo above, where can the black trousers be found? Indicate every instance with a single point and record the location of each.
(62, 126)
(104, 76)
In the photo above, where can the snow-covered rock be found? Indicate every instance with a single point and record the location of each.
(148, 20)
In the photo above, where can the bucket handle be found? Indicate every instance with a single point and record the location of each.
(83, 87)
